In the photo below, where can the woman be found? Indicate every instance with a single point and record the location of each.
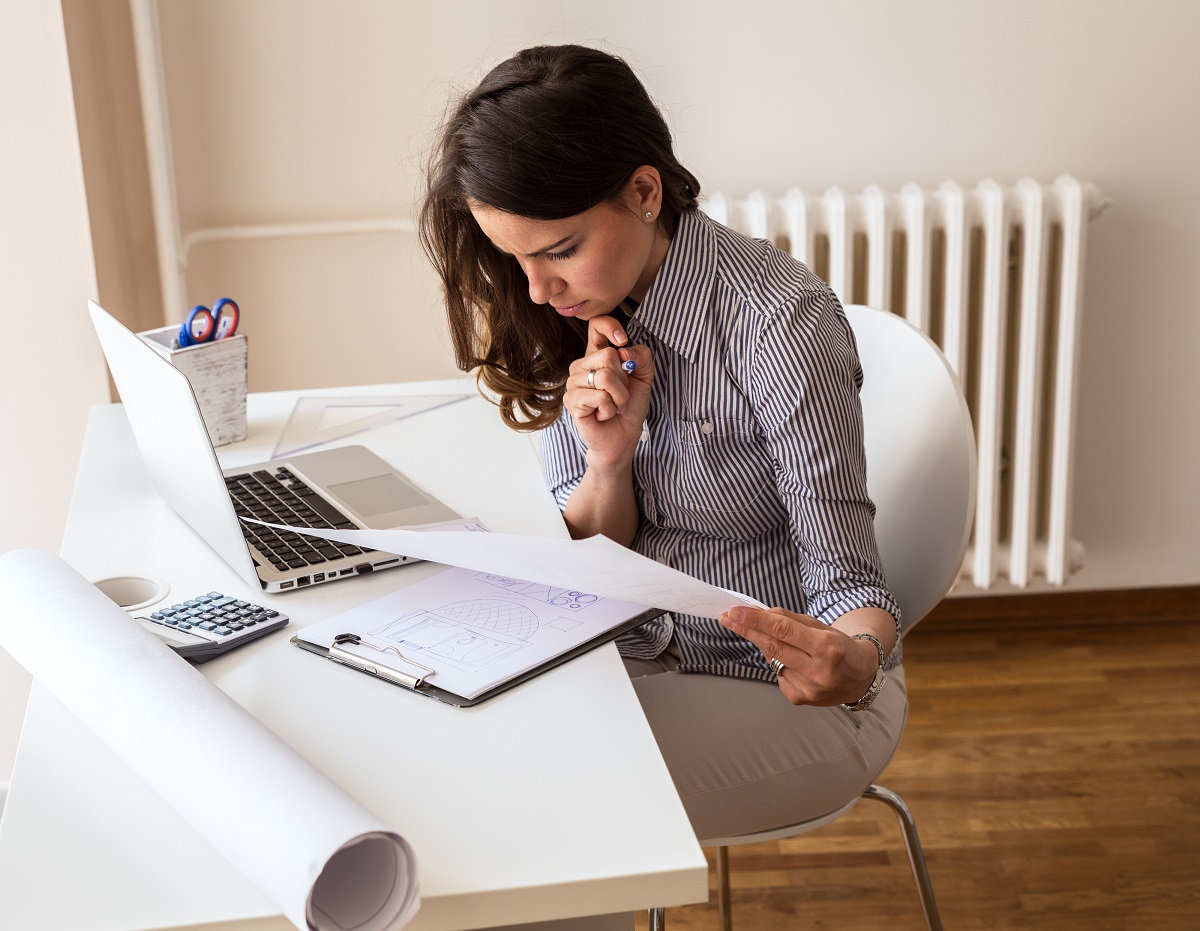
(696, 397)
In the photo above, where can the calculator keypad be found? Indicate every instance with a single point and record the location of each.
(218, 618)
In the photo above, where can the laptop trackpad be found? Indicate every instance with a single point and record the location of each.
(379, 494)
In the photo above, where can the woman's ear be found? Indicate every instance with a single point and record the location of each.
(643, 193)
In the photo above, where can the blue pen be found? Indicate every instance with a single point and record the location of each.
(629, 366)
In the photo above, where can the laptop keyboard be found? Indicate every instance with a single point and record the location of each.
(279, 497)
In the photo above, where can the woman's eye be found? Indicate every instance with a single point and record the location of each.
(559, 256)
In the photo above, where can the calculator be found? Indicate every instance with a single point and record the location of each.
(208, 625)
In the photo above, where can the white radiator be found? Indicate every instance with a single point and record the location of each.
(994, 275)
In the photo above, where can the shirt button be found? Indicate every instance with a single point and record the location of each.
(707, 427)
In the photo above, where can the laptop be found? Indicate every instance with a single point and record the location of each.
(347, 487)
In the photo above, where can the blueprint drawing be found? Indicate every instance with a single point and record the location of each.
(474, 629)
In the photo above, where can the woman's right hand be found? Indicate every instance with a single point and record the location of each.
(610, 412)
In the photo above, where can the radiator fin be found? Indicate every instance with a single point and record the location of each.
(993, 274)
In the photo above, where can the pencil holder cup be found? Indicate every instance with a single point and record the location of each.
(133, 592)
(217, 372)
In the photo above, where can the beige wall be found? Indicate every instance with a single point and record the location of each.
(101, 54)
(50, 372)
(322, 112)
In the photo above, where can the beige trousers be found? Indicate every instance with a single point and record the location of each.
(744, 759)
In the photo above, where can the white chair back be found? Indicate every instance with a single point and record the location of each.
(921, 475)
(920, 458)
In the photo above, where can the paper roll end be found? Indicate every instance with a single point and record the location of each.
(369, 883)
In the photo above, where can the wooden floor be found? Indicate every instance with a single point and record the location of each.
(1052, 764)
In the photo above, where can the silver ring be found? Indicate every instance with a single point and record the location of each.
(776, 667)
(591, 378)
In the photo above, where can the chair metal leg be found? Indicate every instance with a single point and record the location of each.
(916, 857)
(912, 843)
(724, 904)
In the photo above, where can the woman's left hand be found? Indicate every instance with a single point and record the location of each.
(607, 402)
(822, 665)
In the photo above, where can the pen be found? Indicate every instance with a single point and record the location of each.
(629, 366)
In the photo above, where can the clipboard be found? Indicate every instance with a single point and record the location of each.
(419, 684)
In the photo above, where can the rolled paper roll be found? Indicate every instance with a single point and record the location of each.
(325, 861)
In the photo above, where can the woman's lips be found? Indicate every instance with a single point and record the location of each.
(570, 310)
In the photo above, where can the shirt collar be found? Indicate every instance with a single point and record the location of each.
(675, 307)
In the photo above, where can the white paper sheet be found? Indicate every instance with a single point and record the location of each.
(476, 630)
(324, 860)
(596, 565)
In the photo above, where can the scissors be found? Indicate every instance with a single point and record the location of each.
(203, 325)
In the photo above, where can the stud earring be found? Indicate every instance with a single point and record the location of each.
(649, 215)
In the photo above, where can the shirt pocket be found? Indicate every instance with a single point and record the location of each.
(725, 481)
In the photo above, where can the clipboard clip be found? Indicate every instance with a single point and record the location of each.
(353, 660)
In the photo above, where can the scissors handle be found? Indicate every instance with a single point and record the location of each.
(227, 316)
(198, 327)
(203, 325)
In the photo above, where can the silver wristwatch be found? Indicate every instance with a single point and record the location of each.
(877, 683)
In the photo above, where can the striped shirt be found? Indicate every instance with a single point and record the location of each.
(750, 472)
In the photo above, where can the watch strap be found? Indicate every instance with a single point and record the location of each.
(880, 676)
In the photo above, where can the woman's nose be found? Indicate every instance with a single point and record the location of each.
(543, 284)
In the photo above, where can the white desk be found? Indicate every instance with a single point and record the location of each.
(548, 802)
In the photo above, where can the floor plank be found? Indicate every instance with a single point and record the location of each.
(1054, 772)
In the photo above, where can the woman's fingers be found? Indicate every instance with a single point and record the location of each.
(605, 331)
(784, 635)
(813, 654)
(601, 381)
(632, 363)
(798, 689)
(593, 387)
(596, 391)
(607, 339)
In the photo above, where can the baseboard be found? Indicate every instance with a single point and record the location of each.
(1176, 605)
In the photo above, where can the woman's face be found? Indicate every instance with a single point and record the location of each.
(585, 265)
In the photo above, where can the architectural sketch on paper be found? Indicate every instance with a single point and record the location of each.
(470, 635)
(547, 594)
(474, 633)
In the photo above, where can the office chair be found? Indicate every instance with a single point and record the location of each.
(921, 475)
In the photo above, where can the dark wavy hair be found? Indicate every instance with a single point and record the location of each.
(547, 134)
